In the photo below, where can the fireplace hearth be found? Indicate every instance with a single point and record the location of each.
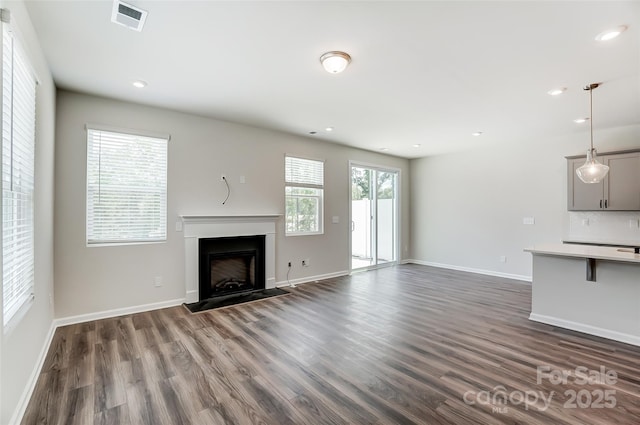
(231, 265)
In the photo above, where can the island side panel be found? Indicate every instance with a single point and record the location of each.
(608, 307)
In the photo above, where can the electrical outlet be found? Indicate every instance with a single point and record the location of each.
(503, 259)
(633, 224)
(305, 262)
(223, 177)
(289, 264)
(157, 281)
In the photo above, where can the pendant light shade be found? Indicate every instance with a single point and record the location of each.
(592, 171)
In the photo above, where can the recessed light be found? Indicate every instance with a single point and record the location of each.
(312, 132)
(477, 133)
(580, 120)
(384, 149)
(558, 91)
(139, 84)
(612, 33)
(329, 129)
(417, 145)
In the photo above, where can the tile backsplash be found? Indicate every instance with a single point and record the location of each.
(605, 226)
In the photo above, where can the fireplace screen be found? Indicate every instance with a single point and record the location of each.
(231, 264)
(232, 272)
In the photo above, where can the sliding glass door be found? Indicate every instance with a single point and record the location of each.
(374, 210)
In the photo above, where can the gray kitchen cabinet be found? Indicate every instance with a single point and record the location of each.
(619, 191)
(582, 196)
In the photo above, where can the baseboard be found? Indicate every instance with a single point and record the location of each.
(293, 282)
(587, 329)
(471, 270)
(16, 418)
(81, 318)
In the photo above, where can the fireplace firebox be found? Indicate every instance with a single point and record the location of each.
(231, 265)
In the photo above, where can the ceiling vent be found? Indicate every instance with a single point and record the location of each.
(127, 15)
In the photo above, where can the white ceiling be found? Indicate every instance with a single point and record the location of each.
(428, 73)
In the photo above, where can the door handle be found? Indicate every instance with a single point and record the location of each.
(600, 203)
(353, 225)
(606, 201)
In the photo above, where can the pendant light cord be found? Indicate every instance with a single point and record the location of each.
(591, 87)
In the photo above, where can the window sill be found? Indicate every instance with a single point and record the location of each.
(304, 234)
(103, 244)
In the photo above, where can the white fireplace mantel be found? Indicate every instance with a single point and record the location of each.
(218, 226)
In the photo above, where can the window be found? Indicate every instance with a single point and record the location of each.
(126, 187)
(304, 190)
(18, 146)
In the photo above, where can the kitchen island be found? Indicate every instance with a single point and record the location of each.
(590, 289)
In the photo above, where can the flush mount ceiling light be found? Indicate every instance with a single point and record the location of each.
(610, 34)
(417, 145)
(580, 120)
(139, 84)
(477, 133)
(329, 129)
(592, 171)
(335, 62)
(384, 149)
(557, 92)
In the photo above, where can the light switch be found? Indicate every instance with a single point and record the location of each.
(335, 219)
(585, 221)
(528, 220)
(179, 226)
(633, 224)
(242, 180)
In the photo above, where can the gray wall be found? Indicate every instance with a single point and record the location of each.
(98, 279)
(467, 208)
(21, 349)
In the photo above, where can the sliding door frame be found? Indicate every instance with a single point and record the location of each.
(398, 212)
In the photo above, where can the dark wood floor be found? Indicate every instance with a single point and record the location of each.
(403, 345)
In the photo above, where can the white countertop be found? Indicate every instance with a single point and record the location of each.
(596, 241)
(586, 251)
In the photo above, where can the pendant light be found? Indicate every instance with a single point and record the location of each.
(592, 171)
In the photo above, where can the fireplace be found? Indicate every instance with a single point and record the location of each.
(197, 227)
(230, 265)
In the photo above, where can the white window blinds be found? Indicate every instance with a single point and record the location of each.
(18, 146)
(304, 194)
(302, 172)
(126, 188)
